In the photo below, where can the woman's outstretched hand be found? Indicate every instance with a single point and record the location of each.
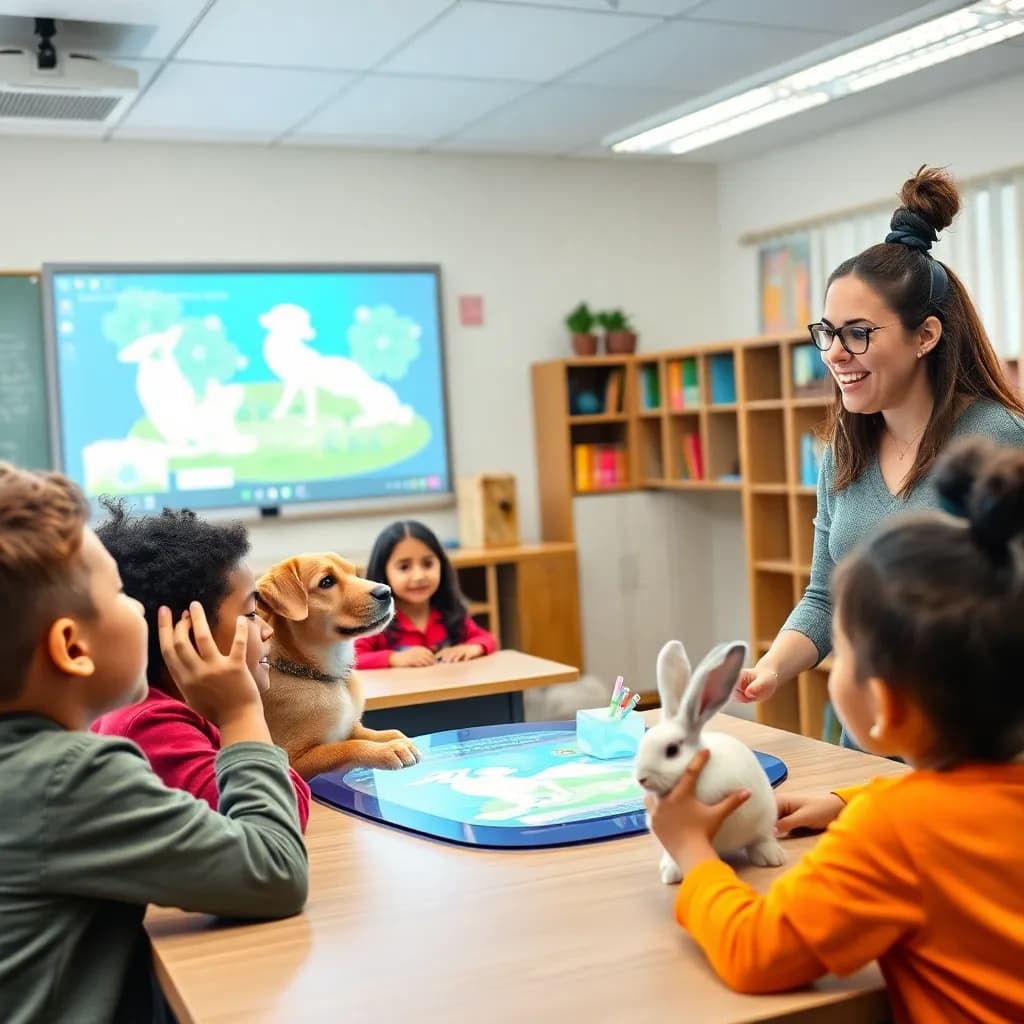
(757, 683)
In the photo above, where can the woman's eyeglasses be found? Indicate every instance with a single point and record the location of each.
(855, 338)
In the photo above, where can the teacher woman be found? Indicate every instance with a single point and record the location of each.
(912, 369)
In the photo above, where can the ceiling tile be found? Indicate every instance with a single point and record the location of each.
(104, 28)
(569, 116)
(698, 57)
(526, 44)
(813, 14)
(400, 105)
(659, 8)
(235, 102)
(353, 34)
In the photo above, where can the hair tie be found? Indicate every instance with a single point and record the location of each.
(910, 229)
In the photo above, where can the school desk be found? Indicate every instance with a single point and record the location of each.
(400, 926)
(484, 691)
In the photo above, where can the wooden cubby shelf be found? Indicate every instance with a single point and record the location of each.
(744, 416)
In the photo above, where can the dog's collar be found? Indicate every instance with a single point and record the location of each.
(292, 668)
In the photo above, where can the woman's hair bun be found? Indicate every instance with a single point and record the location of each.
(984, 483)
(932, 195)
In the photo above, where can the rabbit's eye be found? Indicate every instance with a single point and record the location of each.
(672, 750)
(327, 582)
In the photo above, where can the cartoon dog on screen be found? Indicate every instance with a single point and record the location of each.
(305, 371)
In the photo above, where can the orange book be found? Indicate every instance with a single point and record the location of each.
(581, 460)
(675, 385)
(613, 391)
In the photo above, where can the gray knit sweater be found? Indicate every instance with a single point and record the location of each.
(846, 517)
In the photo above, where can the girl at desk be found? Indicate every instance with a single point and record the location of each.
(922, 872)
(431, 622)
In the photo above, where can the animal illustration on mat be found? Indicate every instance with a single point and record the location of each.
(318, 606)
(688, 701)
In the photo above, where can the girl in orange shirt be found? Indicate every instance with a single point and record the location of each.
(923, 872)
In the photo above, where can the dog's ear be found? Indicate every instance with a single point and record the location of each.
(282, 591)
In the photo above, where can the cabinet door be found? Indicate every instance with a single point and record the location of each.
(600, 551)
(646, 577)
(548, 608)
(651, 581)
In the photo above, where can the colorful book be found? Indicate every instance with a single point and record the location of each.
(691, 383)
(650, 387)
(581, 464)
(723, 379)
(809, 372)
(598, 467)
(693, 458)
(676, 398)
(812, 451)
(613, 390)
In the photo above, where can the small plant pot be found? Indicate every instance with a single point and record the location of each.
(584, 344)
(619, 342)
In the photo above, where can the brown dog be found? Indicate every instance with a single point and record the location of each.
(318, 606)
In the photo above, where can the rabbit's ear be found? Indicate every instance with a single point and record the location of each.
(673, 677)
(713, 683)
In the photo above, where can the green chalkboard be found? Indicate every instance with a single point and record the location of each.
(24, 417)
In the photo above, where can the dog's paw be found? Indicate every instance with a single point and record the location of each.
(386, 735)
(766, 853)
(669, 870)
(396, 754)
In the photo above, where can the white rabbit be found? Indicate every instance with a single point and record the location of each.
(668, 747)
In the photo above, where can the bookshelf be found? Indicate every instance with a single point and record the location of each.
(736, 416)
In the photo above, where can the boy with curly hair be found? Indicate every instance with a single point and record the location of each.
(170, 560)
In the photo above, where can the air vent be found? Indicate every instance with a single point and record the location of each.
(56, 106)
(79, 90)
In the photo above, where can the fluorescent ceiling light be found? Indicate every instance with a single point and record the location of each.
(932, 42)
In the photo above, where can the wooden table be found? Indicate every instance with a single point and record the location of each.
(398, 925)
(484, 691)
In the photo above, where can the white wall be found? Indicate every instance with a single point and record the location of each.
(973, 132)
(532, 236)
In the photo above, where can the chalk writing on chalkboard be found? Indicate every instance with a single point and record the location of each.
(24, 418)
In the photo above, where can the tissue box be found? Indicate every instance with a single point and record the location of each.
(600, 735)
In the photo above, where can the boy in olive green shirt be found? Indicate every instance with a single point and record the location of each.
(90, 835)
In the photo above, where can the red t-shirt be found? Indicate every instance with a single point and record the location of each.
(374, 651)
(180, 745)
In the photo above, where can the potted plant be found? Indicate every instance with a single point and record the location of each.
(619, 336)
(581, 325)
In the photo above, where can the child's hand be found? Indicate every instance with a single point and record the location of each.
(219, 687)
(684, 825)
(797, 811)
(460, 652)
(412, 657)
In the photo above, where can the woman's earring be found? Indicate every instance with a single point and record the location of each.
(919, 354)
(875, 731)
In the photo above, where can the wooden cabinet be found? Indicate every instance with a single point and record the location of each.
(526, 595)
